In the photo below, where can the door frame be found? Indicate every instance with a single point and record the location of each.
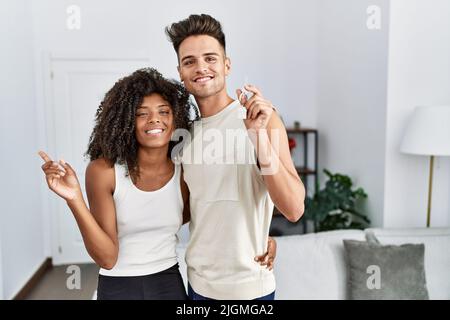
(50, 203)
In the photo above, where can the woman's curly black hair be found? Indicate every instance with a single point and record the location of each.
(113, 137)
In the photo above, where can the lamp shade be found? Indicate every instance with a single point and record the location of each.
(428, 132)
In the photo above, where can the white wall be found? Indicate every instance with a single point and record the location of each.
(271, 43)
(419, 74)
(21, 214)
(352, 64)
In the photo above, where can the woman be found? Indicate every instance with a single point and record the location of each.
(137, 197)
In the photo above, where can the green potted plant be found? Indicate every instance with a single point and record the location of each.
(334, 207)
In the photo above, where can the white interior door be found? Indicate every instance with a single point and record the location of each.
(77, 88)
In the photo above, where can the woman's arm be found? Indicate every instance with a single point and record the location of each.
(185, 194)
(97, 225)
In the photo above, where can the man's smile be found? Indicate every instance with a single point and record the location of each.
(203, 79)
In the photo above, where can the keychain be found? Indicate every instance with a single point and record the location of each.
(242, 112)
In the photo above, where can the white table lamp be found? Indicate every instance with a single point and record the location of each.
(428, 134)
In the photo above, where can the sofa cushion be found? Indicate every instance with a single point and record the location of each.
(378, 272)
(437, 254)
(312, 266)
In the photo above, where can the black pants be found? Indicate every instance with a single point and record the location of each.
(164, 285)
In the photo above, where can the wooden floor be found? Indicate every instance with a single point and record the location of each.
(53, 286)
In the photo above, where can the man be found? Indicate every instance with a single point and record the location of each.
(231, 202)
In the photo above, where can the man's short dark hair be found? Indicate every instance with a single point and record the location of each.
(195, 24)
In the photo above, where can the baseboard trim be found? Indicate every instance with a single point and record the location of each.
(37, 276)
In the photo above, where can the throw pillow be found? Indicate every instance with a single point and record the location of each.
(385, 272)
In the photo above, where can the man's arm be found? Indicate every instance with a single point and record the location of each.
(268, 134)
(283, 183)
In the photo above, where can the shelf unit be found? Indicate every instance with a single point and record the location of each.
(306, 169)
